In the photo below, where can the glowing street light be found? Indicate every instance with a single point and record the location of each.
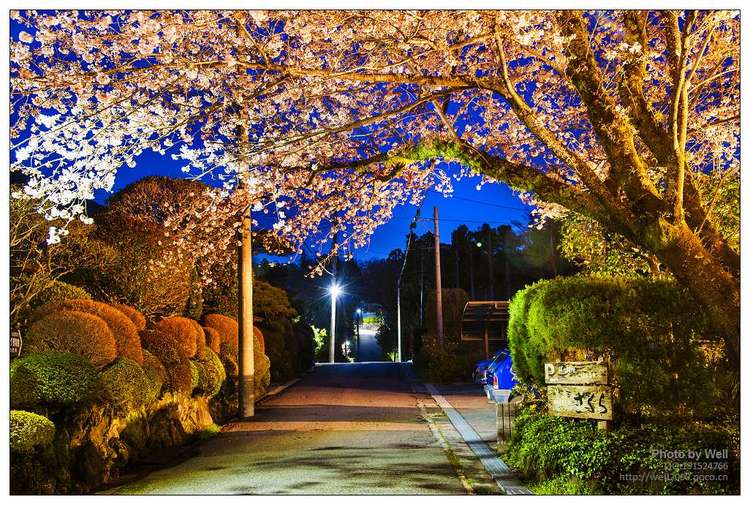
(334, 290)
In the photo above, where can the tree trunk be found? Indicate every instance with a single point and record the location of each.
(712, 286)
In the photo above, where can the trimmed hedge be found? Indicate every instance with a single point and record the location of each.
(135, 315)
(564, 456)
(56, 292)
(75, 332)
(172, 357)
(200, 339)
(211, 374)
(29, 430)
(213, 339)
(124, 331)
(182, 331)
(227, 328)
(124, 385)
(156, 374)
(195, 374)
(648, 328)
(51, 378)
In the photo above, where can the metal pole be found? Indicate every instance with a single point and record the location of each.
(438, 284)
(246, 364)
(333, 328)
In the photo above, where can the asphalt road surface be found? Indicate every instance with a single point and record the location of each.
(369, 349)
(343, 429)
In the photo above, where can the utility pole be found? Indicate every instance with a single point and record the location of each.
(489, 259)
(412, 227)
(246, 364)
(438, 284)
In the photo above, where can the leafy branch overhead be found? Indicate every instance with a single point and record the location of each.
(328, 120)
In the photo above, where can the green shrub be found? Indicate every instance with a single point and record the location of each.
(211, 374)
(172, 357)
(55, 292)
(29, 430)
(648, 328)
(564, 456)
(127, 342)
(195, 374)
(51, 378)
(262, 376)
(124, 385)
(452, 363)
(156, 374)
(75, 332)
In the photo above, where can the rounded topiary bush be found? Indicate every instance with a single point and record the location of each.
(262, 374)
(172, 357)
(56, 291)
(213, 339)
(200, 339)
(124, 385)
(124, 331)
(135, 315)
(195, 374)
(226, 326)
(212, 374)
(51, 378)
(259, 340)
(156, 374)
(182, 331)
(75, 332)
(29, 430)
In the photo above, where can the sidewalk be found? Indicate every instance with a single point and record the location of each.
(473, 417)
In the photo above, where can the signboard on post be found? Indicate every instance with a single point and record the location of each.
(15, 343)
(579, 389)
(575, 372)
(585, 402)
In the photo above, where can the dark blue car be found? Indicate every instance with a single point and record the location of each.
(480, 369)
(500, 378)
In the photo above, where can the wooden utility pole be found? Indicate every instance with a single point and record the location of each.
(246, 347)
(438, 284)
(490, 261)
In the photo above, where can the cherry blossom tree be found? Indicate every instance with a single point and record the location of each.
(329, 119)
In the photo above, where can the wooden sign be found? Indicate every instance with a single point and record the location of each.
(15, 343)
(576, 372)
(587, 402)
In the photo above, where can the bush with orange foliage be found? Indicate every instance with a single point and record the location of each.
(73, 331)
(213, 339)
(135, 315)
(172, 356)
(200, 340)
(185, 332)
(124, 331)
(229, 331)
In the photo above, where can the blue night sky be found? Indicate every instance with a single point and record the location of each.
(494, 204)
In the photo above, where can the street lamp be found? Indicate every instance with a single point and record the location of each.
(334, 290)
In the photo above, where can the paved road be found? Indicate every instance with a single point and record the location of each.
(369, 349)
(344, 429)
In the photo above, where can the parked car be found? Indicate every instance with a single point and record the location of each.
(500, 378)
(479, 375)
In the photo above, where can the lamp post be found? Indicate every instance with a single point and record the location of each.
(334, 291)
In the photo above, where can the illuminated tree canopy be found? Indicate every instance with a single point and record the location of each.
(329, 119)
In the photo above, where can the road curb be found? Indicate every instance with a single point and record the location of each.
(503, 476)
